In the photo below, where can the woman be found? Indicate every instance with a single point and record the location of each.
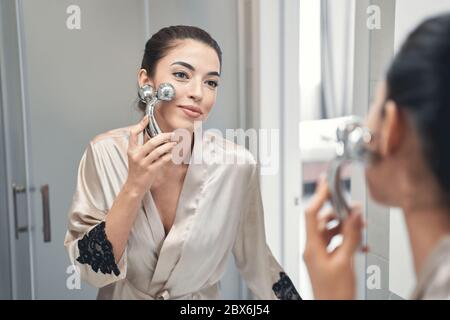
(144, 227)
(410, 120)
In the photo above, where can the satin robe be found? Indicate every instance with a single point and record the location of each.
(434, 280)
(219, 212)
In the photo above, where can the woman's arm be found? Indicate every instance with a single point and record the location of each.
(120, 218)
(97, 234)
(144, 164)
(254, 259)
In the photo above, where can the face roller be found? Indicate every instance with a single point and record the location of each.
(353, 141)
(166, 92)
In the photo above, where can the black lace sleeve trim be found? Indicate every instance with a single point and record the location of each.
(96, 251)
(284, 289)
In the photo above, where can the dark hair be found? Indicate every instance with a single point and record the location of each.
(418, 81)
(165, 39)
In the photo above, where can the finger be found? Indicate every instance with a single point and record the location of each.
(311, 213)
(160, 151)
(162, 161)
(352, 232)
(329, 234)
(155, 142)
(135, 130)
(329, 225)
(325, 218)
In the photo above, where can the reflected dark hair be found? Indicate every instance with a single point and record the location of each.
(165, 39)
(419, 82)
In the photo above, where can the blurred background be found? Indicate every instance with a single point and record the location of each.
(68, 71)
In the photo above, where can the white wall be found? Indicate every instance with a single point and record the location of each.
(310, 62)
(410, 13)
(269, 113)
(278, 100)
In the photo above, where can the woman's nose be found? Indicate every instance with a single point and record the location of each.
(196, 91)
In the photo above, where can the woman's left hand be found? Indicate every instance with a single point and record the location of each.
(331, 273)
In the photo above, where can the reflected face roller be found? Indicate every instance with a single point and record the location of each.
(166, 92)
(353, 141)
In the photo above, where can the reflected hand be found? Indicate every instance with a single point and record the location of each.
(331, 273)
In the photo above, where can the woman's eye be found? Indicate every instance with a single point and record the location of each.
(213, 84)
(180, 75)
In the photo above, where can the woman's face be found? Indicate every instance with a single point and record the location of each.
(193, 68)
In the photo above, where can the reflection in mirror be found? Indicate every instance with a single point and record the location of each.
(327, 36)
(375, 30)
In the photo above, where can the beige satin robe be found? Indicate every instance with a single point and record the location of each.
(434, 280)
(219, 212)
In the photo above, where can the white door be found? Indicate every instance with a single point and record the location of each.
(80, 65)
(15, 243)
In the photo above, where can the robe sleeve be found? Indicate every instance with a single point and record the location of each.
(88, 248)
(262, 273)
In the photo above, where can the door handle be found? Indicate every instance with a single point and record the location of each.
(46, 212)
(17, 229)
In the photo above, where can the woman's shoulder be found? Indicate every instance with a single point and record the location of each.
(112, 135)
(434, 282)
(105, 144)
(230, 152)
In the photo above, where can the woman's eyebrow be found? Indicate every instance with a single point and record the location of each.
(190, 67)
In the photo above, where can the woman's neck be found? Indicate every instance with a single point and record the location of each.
(425, 206)
(426, 228)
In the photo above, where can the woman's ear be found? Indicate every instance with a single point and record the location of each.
(143, 78)
(393, 129)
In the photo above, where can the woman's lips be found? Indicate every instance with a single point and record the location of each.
(192, 112)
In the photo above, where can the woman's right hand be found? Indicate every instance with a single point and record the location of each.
(332, 273)
(145, 161)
